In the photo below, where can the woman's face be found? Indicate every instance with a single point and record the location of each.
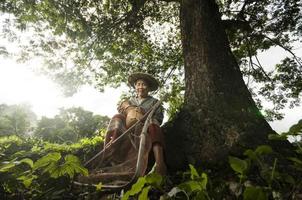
(141, 88)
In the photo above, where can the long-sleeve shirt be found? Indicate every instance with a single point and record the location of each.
(146, 104)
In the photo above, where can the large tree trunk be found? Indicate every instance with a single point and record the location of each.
(219, 115)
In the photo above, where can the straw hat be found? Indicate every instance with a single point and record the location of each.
(152, 82)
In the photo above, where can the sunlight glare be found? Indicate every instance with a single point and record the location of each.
(19, 84)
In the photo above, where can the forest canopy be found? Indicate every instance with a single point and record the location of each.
(70, 125)
(102, 42)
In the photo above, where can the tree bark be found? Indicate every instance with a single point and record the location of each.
(219, 115)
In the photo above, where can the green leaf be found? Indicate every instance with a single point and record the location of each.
(6, 167)
(46, 160)
(27, 180)
(154, 179)
(289, 179)
(136, 188)
(68, 169)
(71, 158)
(126, 196)
(295, 160)
(238, 165)
(27, 161)
(72, 166)
(190, 186)
(194, 173)
(82, 170)
(99, 186)
(54, 170)
(254, 193)
(251, 154)
(277, 137)
(144, 194)
(263, 149)
(76, 165)
(204, 181)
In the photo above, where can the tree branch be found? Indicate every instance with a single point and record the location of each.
(283, 47)
(261, 68)
(236, 24)
(252, 63)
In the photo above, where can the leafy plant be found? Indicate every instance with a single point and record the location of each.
(254, 193)
(270, 179)
(194, 188)
(239, 166)
(52, 165)
(37, 169)
(143, 185)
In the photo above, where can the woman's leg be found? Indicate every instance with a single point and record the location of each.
(158, 149)
(158, 152)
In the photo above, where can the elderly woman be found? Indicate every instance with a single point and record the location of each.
(142, 102)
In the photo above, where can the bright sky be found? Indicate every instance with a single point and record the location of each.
(19, 84)
(269, 59)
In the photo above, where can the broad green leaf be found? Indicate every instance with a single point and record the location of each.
(54, 170)
(72, 169)
(19, 153)
(254, 193)
(289, 179)
(296, 160)
(190, 186)
(77, 168)
(46, 160)
(27, 161)
(204, 181)
(263, 149)
(82, 170)
(73, 165)
(238, 165)
(27, 180)
(126, 196)
(277, 137)
(72, 158)
(251, 154)
(136, 188)
(68, 169)
(21, 178)
(154, 179)
(6, 167)
(144, 194)
(194, 173)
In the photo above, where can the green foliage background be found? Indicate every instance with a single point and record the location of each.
(31, 168)
(37, 169)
